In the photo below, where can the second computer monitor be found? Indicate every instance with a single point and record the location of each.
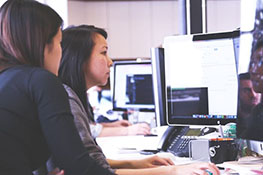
(132, 88)
(158, 75)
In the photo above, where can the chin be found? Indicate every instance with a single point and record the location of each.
(102, 83)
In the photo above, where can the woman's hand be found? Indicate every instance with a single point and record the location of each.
(139, 129)
(199, 168)
(152, 162)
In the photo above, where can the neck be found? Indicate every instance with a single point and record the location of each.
(89, 85)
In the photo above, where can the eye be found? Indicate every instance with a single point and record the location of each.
(104, 53)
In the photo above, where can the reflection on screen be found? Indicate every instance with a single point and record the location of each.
(135, 89)
(249, 126)
(133, 86)
(195, 99)
(202, 63)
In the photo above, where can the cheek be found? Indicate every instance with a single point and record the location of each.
(59, 54)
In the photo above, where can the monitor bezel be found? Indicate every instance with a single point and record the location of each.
(158, 76)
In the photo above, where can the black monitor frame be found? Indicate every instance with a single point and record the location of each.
(158, 75)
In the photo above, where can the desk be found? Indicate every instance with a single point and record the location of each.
(128, 147)
(119, 147)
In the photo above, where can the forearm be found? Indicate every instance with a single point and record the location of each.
(197, 168)
(113, 131)
(163, 170)
(120, 164)
(107, 124)
(136, 129)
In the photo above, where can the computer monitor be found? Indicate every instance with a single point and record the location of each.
(158, 75)
(132, 86)
(201, 79)
(251, 36)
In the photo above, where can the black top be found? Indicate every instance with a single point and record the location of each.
(35, 121)
(254, 126)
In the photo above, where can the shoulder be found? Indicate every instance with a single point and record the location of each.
(39, 82)
(74, 100)
(29, 76)
(31, 73)
(26, 71)
(43, 75)
(70, 92)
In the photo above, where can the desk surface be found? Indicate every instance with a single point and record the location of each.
(120, 147)
(113, 146)
(129, 147)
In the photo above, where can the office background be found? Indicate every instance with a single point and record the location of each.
(134, 26)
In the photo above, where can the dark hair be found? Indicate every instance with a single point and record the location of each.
(77, 45)
(244, 76)
(26, 26)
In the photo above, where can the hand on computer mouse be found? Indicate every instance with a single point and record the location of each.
(151, 162)
(139, 129)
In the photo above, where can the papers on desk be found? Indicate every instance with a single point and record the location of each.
(120, 146)
(245, 166)
(176, 160)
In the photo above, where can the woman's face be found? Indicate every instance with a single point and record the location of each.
(256, 70)
(97, 68)
(52, 54)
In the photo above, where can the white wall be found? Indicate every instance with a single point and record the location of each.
(2, 2)
(133, 27)
(223, 15)
(60, 6)
(136, 26)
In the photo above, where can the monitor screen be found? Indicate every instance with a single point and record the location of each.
(132, 87)
(251, 58)
(158, 76)
(201, 78)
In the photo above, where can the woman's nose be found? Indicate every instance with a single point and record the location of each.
(110, 61)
